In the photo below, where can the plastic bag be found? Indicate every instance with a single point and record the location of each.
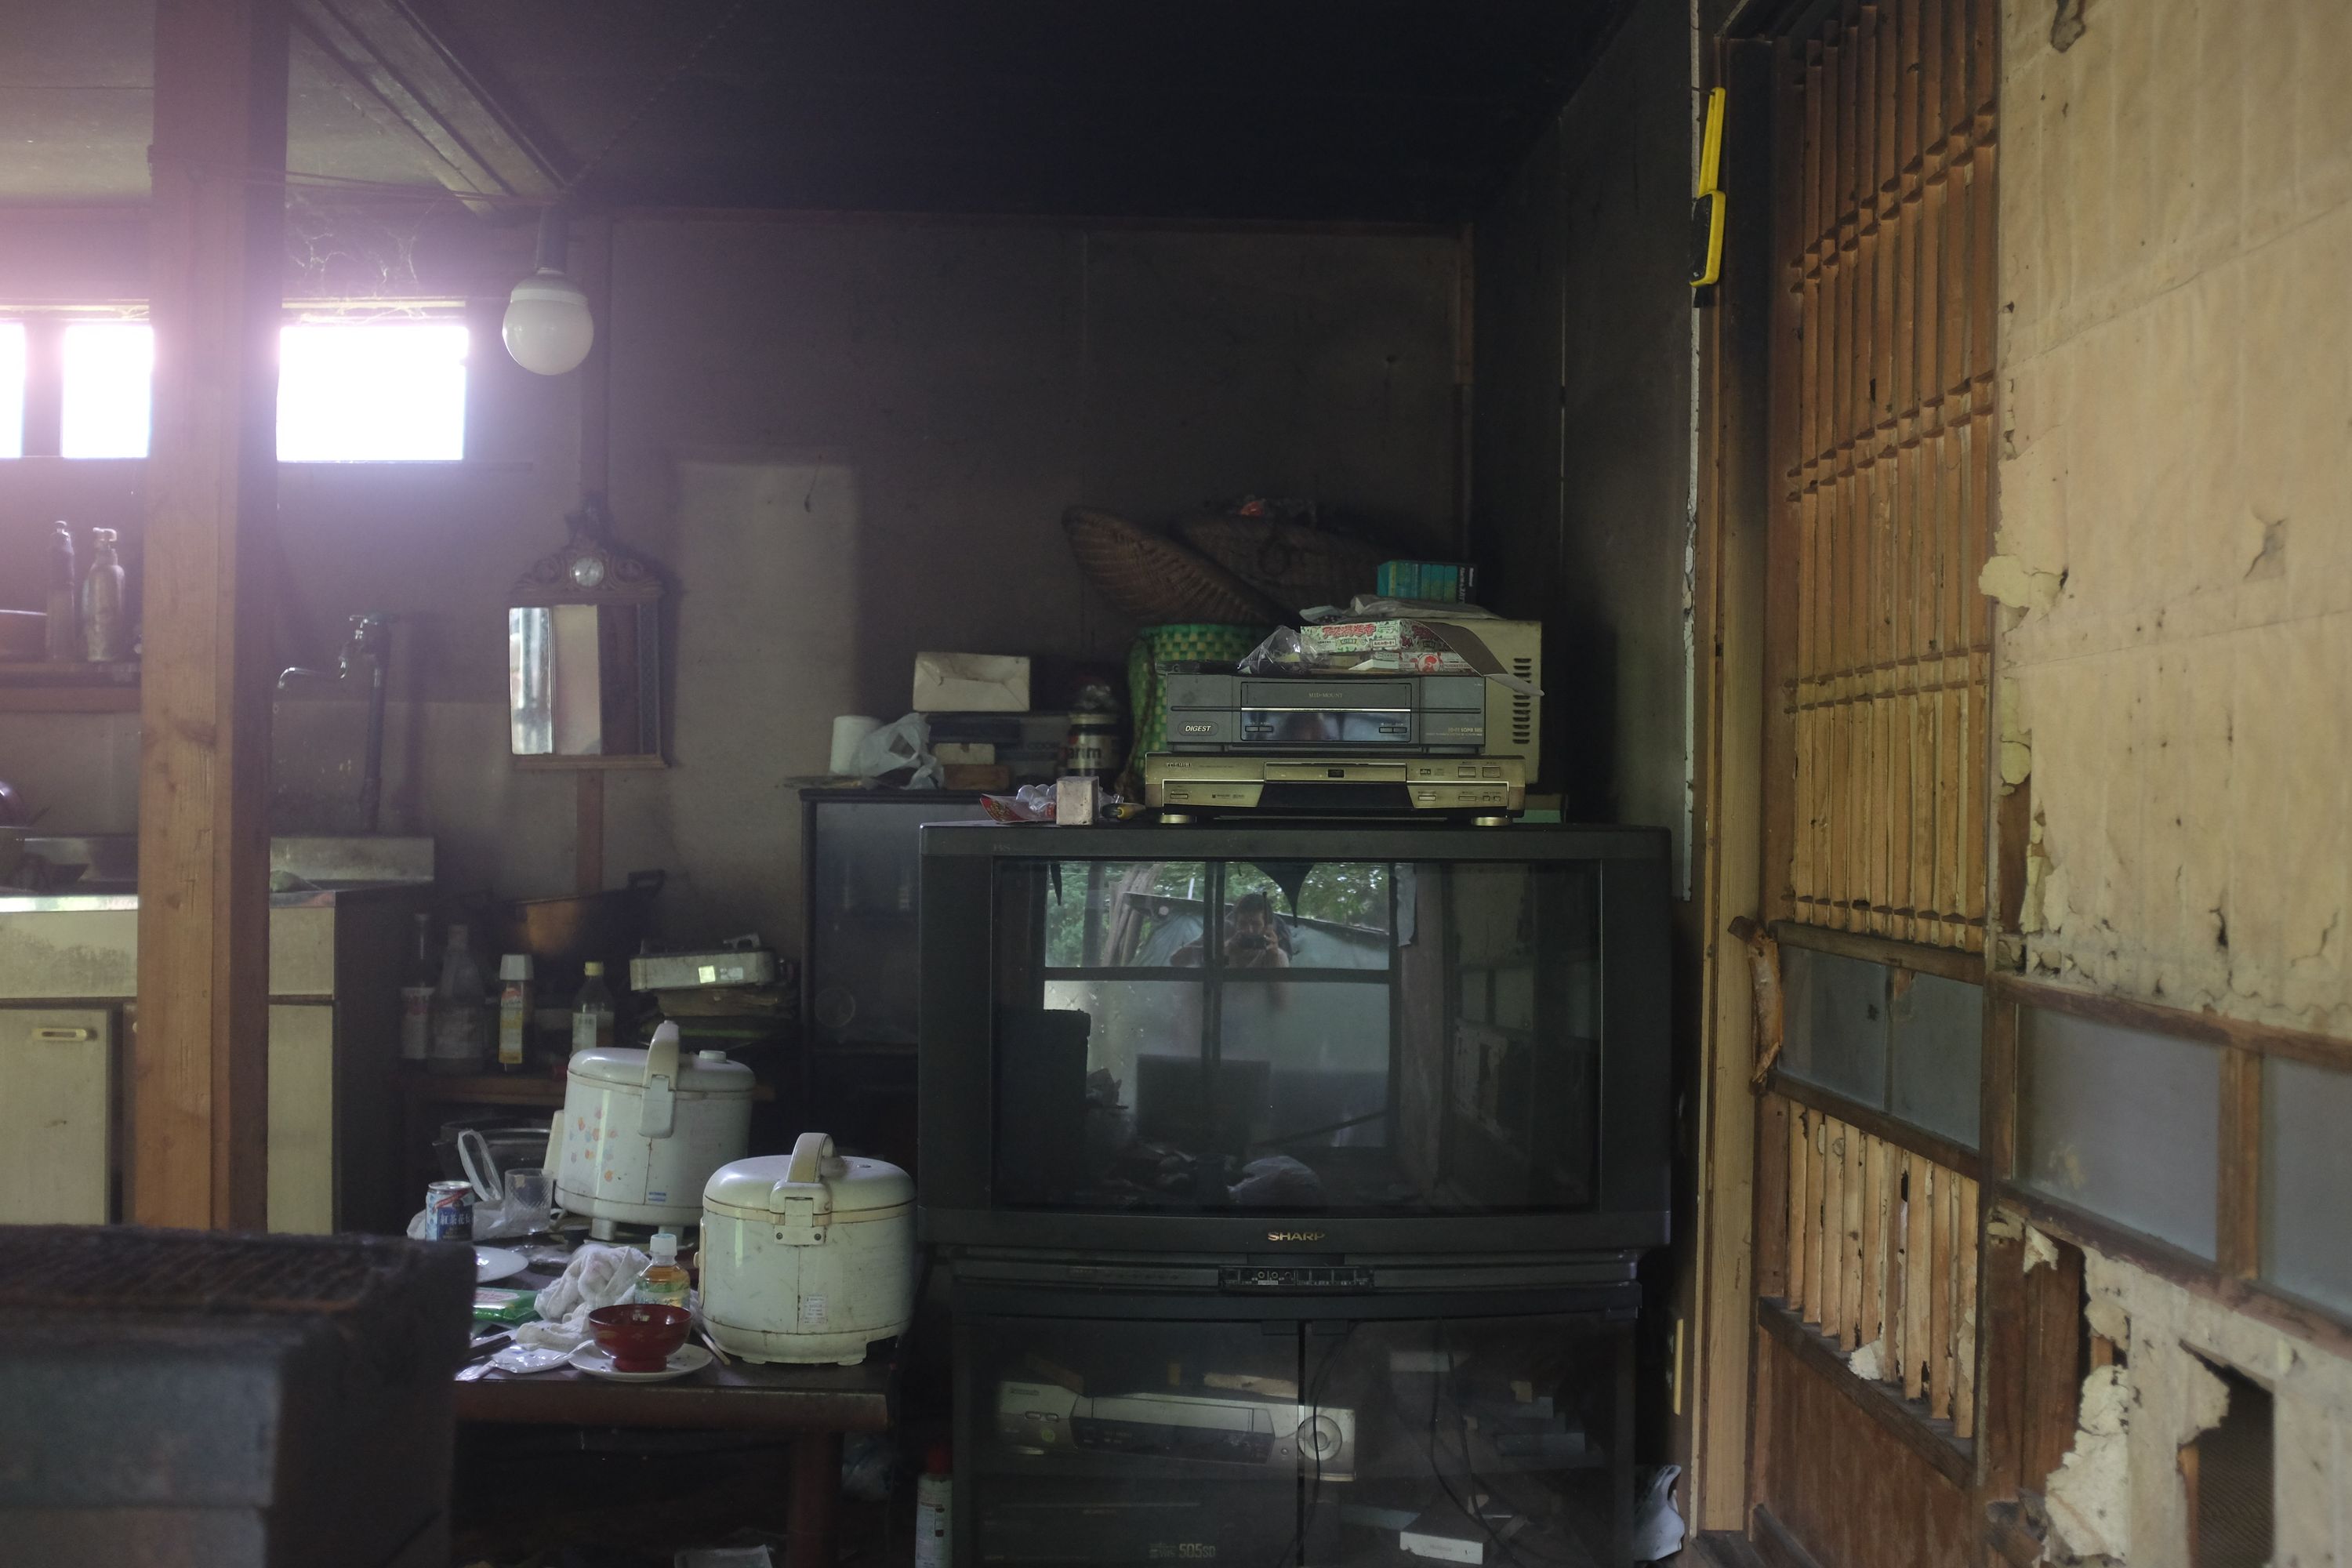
(1374, 607)
(904, 744)
(1030, 803)
(869, 1466)
(1657, 1528)
(1387, 648)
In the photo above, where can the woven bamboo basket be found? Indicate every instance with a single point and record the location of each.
(1158, 580)
(1294, 563)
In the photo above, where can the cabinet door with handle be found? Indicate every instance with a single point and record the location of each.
(57, 1115)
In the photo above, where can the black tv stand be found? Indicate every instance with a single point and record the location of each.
(1305, 1410)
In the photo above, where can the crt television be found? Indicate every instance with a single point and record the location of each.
(1237, 1039)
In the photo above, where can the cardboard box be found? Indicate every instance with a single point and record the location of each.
(970, 683)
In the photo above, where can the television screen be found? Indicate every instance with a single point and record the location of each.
(1404, 1038)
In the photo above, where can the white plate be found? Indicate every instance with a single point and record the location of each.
(495, 1263)
(593, 1359)
(530, 1358)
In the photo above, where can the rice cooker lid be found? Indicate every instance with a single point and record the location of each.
(703, 1072)
(861, 1188)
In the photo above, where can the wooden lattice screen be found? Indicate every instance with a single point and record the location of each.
(1879, 1250)
(1885, 443)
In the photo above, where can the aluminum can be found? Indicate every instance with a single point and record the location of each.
(449, 1211)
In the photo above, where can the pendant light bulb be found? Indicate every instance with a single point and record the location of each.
(547, 329)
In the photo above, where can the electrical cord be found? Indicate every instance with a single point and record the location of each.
(1515, 1551)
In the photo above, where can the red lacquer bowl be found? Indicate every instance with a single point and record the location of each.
(639, 1338)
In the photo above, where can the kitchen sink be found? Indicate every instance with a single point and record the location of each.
(109, 862)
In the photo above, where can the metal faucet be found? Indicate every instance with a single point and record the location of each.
(369, 634)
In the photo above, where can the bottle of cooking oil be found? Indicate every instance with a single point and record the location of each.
(664, 1282)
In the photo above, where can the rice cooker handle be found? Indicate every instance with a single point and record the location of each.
(801, 1202)
(810, 1152)
(658, 1112)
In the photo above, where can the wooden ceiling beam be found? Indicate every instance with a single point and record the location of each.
(400, 72)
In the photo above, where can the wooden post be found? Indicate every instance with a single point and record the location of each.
(200, 1084)
(596, 373)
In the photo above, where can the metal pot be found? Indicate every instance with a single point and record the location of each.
(567, 931)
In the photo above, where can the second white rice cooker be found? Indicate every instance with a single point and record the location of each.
(807, 1256)
(642, 1130)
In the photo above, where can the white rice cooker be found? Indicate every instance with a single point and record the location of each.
(642, 1130)
(807, 1257)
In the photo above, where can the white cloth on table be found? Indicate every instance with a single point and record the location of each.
(597, 1275)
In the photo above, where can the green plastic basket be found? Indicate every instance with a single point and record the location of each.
(1206, 641)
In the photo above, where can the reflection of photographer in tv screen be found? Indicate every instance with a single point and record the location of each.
(1257, 941)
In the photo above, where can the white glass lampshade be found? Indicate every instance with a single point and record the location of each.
(547, 327)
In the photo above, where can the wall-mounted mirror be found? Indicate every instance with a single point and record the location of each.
(583, 656)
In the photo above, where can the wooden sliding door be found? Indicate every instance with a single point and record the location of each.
(1879, 645)
(1877, 791)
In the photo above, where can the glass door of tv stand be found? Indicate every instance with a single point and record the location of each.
(1325, 1441)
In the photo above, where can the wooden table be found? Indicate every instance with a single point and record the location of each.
(816, 1405)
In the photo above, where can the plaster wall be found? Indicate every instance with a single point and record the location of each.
(843, 442)
(2175, 498)
(2175, 555)
(2120, 1496)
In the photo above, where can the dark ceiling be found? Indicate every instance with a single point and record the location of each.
(1411, 110)
(1371, 109)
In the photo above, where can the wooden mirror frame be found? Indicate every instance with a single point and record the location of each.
(624, 580)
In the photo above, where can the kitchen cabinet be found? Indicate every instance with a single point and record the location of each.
(302, 1117)
(57, 1115)
(69, 976)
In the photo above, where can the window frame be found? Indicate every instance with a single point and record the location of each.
(45, 327)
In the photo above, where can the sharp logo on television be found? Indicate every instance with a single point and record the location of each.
(1294, 1236)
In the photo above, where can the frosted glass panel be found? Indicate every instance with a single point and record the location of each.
(109, 366)
(1938, 1042)
(372, 391)
(12, 389)
(1836, 1025)
(2307, 1181)
(2121, 1123)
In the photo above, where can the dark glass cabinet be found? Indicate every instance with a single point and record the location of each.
(1330, 1435)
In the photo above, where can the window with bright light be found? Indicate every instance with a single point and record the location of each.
(355, 392)
(372, 391)
(108, 370)
(12, 389)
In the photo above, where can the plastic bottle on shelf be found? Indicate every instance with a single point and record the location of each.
(664, 1281)
(460, 1023)
(515, 1002)
(63, 627)
(934, 1512)
(417, 998)
(105, 631)
(592, 1014)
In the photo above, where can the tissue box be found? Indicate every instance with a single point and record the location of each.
(970, 683)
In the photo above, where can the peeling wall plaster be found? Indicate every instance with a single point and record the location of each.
(2119, 1493)
(2175, 548)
